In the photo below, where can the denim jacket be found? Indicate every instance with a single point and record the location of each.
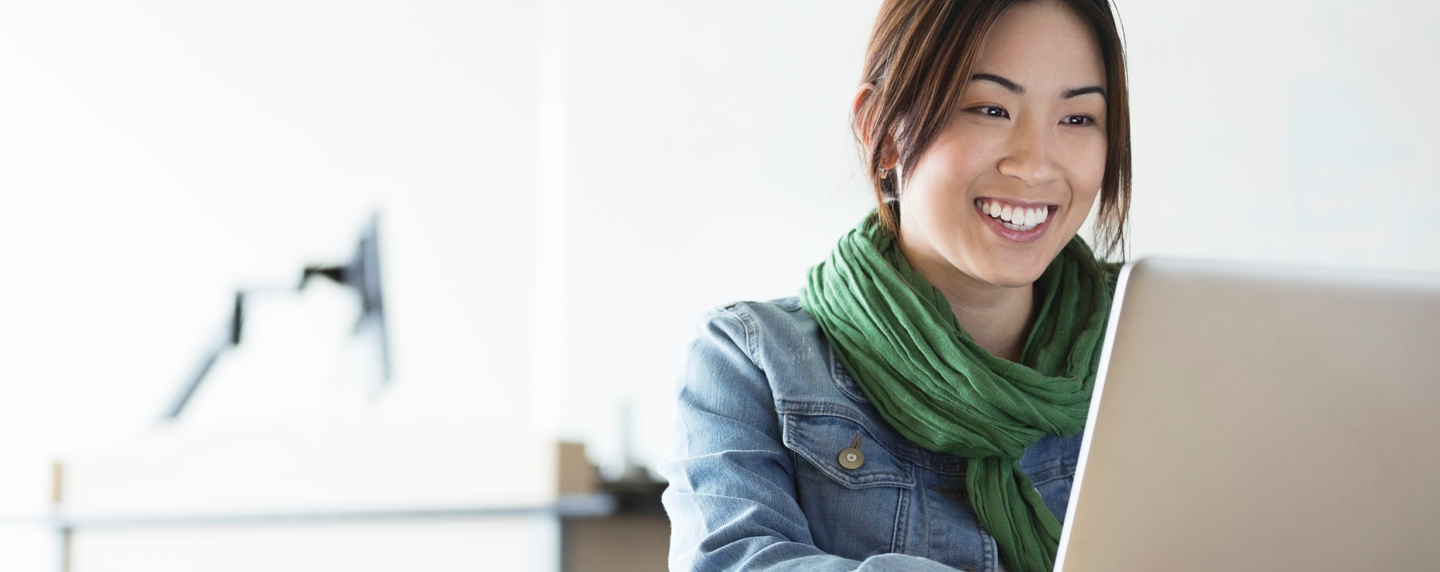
(756, 480)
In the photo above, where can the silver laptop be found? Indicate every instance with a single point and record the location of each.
(1258, 418)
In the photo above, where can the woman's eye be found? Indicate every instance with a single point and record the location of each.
(1078, 120)
(991, 111)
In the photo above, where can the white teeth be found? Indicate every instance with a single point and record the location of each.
(1015, 218)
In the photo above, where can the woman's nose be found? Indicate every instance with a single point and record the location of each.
(1029, 155)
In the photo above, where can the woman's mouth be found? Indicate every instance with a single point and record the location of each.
(1025, 222)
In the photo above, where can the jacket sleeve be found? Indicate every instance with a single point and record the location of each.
(731, 497)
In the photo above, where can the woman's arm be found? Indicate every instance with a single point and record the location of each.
(731, 498)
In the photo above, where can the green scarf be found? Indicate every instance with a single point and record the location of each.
(896, 335)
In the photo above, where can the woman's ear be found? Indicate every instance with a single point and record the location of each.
(863, 117)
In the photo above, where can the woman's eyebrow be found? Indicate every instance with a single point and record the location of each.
(1079, 91)
(1015, 88)
(1002, 82)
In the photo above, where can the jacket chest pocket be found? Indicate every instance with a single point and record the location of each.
(856, 499)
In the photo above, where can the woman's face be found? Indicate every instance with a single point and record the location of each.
(1008, 182)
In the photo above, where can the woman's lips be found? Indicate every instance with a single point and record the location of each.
(1019, 222)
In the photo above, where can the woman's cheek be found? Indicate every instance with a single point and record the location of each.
(1086, 165)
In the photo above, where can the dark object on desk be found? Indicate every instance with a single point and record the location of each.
(636, 497)
(361, 273)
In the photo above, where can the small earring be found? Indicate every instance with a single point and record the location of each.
(884, 173)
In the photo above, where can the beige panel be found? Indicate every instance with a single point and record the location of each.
(576, 475)
(617, 544)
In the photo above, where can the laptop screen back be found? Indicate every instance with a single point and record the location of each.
(1254, 418)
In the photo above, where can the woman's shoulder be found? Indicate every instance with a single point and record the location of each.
(755, 325)
(781, 342)
(778, 310)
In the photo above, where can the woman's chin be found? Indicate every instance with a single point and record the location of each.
(1010, 275)
(1016, 265)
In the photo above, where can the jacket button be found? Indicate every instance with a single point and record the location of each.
(852, 458)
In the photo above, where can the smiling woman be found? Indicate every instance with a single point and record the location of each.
(919, 406)
(1026, 140)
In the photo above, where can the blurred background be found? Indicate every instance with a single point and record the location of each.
(563, 187)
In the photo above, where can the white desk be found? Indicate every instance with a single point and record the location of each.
(355, 496)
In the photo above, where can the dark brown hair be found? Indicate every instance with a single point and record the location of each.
(919, 61)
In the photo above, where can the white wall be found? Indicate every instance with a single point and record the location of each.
(155, 155)
(710, 159)
(1287, 131)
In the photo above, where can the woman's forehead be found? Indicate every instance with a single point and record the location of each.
(1042, 47)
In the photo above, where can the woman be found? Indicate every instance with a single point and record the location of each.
(919, 406)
